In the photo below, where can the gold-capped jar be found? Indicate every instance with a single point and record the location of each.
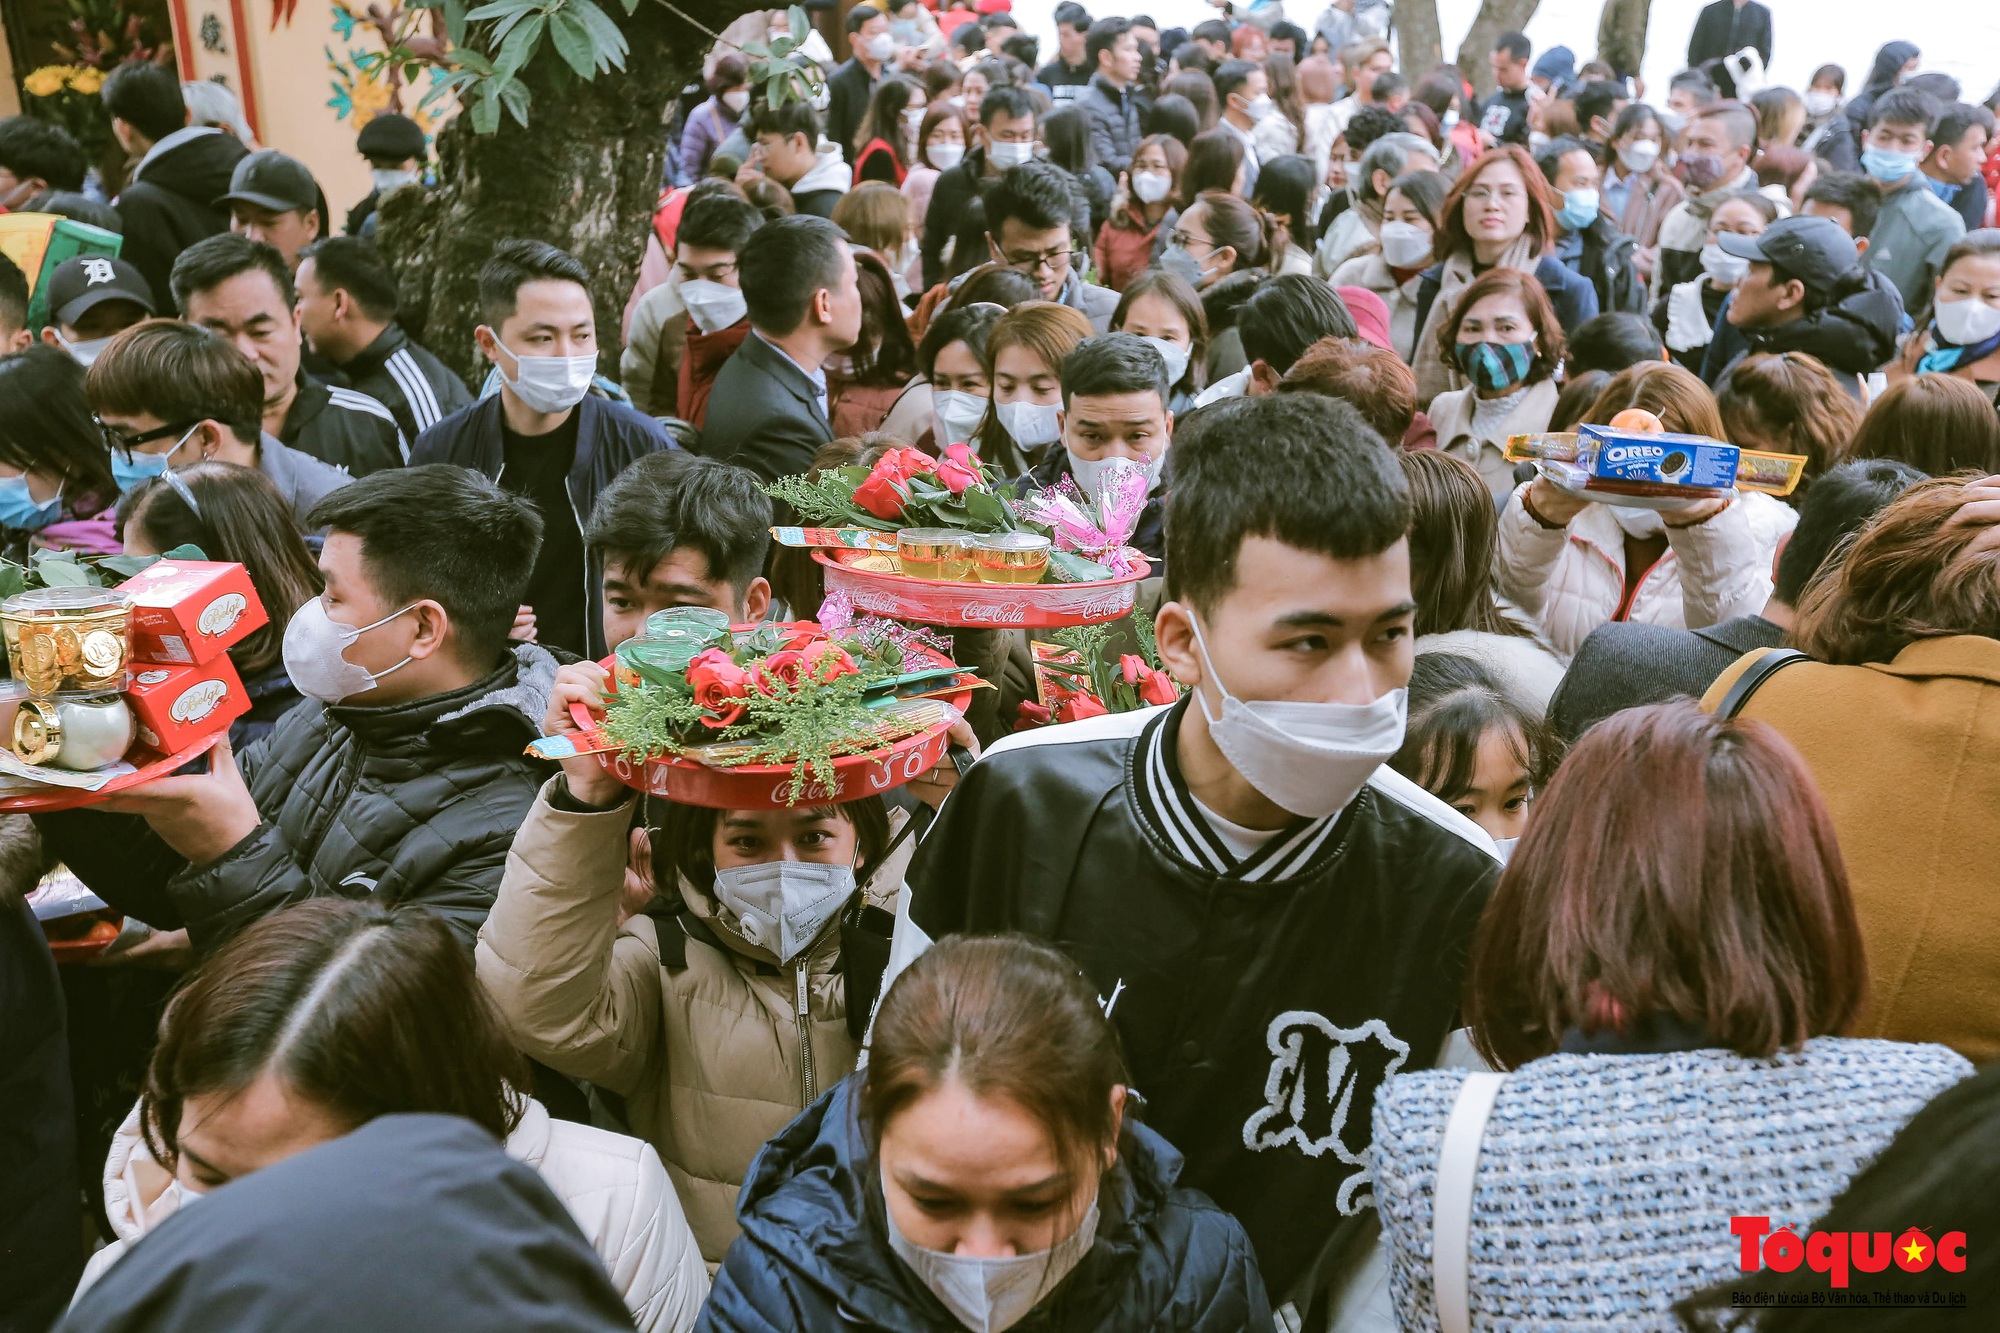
(75, 731)
(67, 638)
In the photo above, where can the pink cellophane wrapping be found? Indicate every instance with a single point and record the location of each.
(1096, 531)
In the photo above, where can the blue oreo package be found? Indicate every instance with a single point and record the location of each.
(1667, 460)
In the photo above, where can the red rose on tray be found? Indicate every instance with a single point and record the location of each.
(827, 660)
(1155, 687)
(1080, 706)
(881, 496)
(784, 667)
(904, 463)
(719, 686)
(799, 633)
(1133, 668)
(957, 471)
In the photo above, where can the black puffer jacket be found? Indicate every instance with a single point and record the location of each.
(814, 1252)
(171, 205)
(412, 803)
(1853, 337)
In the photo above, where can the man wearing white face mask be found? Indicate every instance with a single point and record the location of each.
(92, 298)
(1008, 129)
(402, 775)
(851, 85)
(1245, 93)
(1273, 920)
(687, 327)
(1115, 414)
(545, 436)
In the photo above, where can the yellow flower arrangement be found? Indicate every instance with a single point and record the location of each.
(50, 80)
(88, 81)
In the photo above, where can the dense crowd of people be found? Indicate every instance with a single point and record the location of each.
(1530, 903)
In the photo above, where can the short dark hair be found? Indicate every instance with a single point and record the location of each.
(1370, 123)
(1072, 13)
(1852, 191)
(1950, 128)
(514, 264)
(1000, 18)
(446, 534)
(1297, 468)
(859, 15)
(1696, 82)
(180, 373)
(1936, 83)
(1022, 47)
(214, 260)
(1004, 99)
(147, 97)
(1905, 106)
(783, 265)
(1599, 97)
(1635, 116)
(13, 296)
(1102, 37)
(1611, 342)
(785, 121)
(1210, 30)
(35, 149)
(1377, 381)
(1231, 75)
(1036, 194)
(1113, 363)
(1515, 44)
(719, 221)
(1840, 503)
(672, 500)
(1288, 314)
(1387, 84)
(1553, 152)
(353, 265)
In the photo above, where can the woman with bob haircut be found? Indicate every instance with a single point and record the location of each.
(1500, 214)
(984, 1170)
(1665, 961)
(316, 1020)
(1575, 564)
(1898, 719)
(1935, 423)
(1790, 403)
(1503, 336)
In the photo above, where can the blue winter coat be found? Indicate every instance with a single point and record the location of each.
(814, 1252)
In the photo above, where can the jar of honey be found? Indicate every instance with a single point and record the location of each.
(935, 553)
(1012, 557)
(67, 639)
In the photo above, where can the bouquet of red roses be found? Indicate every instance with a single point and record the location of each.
(905, 488)
(1082, 675)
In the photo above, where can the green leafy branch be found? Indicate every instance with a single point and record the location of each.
(68, 569)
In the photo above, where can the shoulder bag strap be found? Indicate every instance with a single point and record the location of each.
(1451, 1200)
(1753, 678)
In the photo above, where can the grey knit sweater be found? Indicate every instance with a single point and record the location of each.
(1606, 1182)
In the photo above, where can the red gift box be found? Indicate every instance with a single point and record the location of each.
(174, 706)
(189, 612)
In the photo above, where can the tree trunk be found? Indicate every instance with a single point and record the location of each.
(1621, 35)
(1476, 51)
(584, 175)
(1419, 41)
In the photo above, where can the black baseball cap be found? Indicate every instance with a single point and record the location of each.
(396, 138)
(1812, 249)
(269, 179)
(80, 284)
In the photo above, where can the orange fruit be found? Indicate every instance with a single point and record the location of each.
(1638, 419)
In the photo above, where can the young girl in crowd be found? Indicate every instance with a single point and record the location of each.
(946, 402)
(1167, 313)
(316, 1020)
(724, 1014)
(1963, 338)
(876, 218)
(1215, 162)
(1687, 317)
(1669, 954)
(1639, 191)
(718, 117)
(1505, 341)
(986, 1170)
(1125, 245)
(940, 147)
(233, 513)
(1394, 270)
(1574, 564)
(883, 146)
(56, 474)
(1024, 356)
(1474, 745)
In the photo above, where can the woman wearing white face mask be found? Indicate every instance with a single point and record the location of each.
(983, 1173)
(882, 145)
(728, 1005)
(718, 117)
(1167, 313)
(1964, 334)
(1405, 247)
(54, 467)
(1024, 356)
(1125, 244)
(1639, 191)
(1688, 318)
(940, 147)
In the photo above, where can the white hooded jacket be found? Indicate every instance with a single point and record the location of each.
(614, 1187)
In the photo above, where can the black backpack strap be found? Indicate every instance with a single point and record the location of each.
(1761, 670)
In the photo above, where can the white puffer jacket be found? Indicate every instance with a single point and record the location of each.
(1573, 579)
(614, 1186)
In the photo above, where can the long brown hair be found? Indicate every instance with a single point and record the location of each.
(1453, 538)
(1907, 576)
(1794, 399)
(1676, 396)
(1005, 1016)
(1176, 291)
(242, 518)
(1935, 423)
(361, 1009)
(1452, 237)
(1049, 330)
(1679, 865)
(1176, 154)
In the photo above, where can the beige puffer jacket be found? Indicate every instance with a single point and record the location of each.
(714, 1047)
(613, 1186)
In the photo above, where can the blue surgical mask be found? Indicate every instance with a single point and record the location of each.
(1887, 165)
(128, 468)
(1579, 209)
(21, 511)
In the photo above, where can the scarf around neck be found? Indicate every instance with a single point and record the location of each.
(1944, 357)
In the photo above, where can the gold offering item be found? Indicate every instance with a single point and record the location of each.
(67, 638)
(1012, 557)
(81, 732)
(935, 553)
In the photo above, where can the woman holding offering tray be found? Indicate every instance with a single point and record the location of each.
(721, 1010)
